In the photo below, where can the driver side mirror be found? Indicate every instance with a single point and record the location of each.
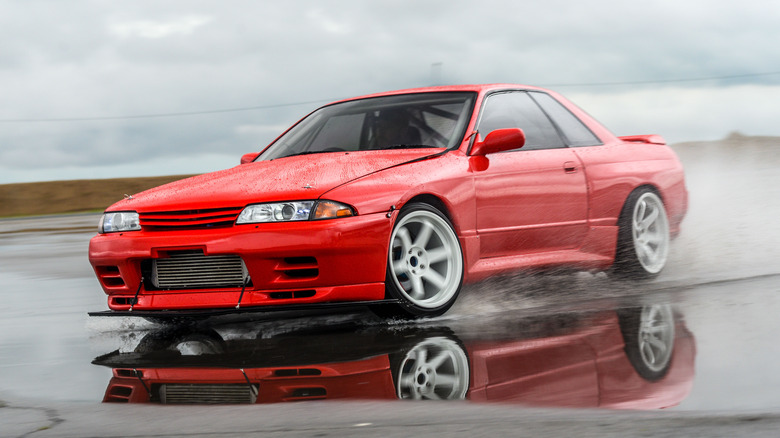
(248, 158)
(500, 140)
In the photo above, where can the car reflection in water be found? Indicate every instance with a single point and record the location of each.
(635, 358)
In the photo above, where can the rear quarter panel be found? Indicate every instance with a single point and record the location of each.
(615, 169)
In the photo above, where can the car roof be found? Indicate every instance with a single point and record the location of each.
(478, 88)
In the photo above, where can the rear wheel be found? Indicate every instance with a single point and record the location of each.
(643, 236)
(649, 336)
(425, 264)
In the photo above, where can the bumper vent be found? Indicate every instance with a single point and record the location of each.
(299, 268)
(189, 219)
(208, 394)
(194, 270)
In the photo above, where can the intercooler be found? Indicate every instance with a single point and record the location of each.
(194, 270)
(207, 393)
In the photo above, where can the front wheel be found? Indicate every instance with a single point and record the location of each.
(643, 236)
(434, 369)
(425, 263)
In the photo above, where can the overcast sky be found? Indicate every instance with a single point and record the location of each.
(79, 78)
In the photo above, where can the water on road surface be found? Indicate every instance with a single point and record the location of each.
(572, 340)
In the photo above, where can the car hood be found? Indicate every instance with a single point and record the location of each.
(291, 178)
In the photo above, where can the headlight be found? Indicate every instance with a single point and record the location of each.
(293, 211)
(115, 222)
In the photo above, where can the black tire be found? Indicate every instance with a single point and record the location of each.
(183, 340)
(424, 264)
(648, 333)
(643, 236)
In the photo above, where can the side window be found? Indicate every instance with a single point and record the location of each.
(518, 110)
(576, 133)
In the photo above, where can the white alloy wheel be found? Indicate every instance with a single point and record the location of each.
(425, 261)
(435, 369)
(649, 334)
(650, 232)
(656, 337)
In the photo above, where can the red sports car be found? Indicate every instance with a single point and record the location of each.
(398, 198)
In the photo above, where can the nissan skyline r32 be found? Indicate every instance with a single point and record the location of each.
(398, 198)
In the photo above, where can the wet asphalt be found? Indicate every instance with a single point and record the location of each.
(520, 355)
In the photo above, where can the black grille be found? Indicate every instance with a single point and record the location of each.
(189, 219)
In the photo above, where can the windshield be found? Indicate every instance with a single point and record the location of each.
(435, 120)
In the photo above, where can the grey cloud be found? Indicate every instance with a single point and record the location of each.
(93, 58)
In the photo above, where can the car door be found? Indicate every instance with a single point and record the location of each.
(532, 199)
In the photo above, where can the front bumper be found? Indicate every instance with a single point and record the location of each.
(344, 260)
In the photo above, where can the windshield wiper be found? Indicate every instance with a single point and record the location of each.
(409, 146)
(308, 153)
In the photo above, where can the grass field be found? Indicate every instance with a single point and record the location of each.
(58, 197)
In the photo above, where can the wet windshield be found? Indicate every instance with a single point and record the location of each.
(435, 120)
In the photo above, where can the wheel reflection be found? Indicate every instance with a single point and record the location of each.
(434, 369)
(637, 358)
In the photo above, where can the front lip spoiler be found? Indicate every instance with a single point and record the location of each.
(204, 313)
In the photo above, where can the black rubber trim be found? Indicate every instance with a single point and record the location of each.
(233, 311)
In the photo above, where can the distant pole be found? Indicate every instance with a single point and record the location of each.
(436, 73)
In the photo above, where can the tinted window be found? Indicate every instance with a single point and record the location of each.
(518, 110)
(436, 120)
(339, 132)
(576, 133)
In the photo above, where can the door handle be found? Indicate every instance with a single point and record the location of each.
(570, 167)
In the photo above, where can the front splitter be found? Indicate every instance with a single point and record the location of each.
(205, 313)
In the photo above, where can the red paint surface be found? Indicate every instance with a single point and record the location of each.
(511, 210)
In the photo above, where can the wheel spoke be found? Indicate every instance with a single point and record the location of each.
(405, 238)
(643, 251)
(651, 218)
(424, 236)
(407, 380)
(432, 396)
(418, 289)
(648, 353)
(437, 361)
(422, 357)
(651, 251)
(435, 278)
(640, 213)
(649, 317)
(653, 238)
(450, 380)
(656, 329)
(659, 345)
(400, 267)
(438, 255)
